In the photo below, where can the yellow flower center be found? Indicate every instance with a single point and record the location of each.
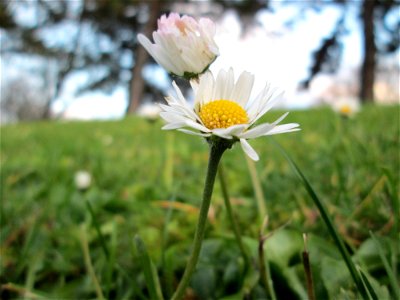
(222, 114)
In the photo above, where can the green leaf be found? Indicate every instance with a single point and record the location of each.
(334, 275)
(283, 246)
(233, 272)
(204, 282)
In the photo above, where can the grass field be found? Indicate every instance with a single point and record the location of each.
(149, 182)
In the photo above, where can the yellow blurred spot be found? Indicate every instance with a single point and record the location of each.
(345, 109)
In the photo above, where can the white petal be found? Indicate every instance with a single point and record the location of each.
(257, 131)
(197, 126)
(249, 150)
(194, 84)
(231, 131)
(162, 59)
(228, 86)
(283, 129)
(187, 111)
(242, 89)
(171, 126)
(170, 99)
(171, 117)
(266, 106)
(219, 87)
(194, 132)
(280, 118)
(253, 107)
(191, 63)
(221, 134)
(181, 104)
(205, 89)
(171, 109)
(181, 99)
(262, 129)
(145, 43)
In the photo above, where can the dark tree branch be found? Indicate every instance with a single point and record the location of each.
(327, 56)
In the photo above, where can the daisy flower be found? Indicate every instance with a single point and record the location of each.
(183, 46)
(82, 179)
(346, 106)
(222, 108)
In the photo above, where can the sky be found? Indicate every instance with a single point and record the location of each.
(270, 50)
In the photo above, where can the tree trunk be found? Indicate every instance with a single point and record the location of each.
(136, 84)
(369, 62)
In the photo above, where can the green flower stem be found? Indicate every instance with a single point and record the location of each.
(217, 148)
(265, 271)
(232, 219)
(262, 209)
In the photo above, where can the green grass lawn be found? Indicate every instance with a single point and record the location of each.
(139, 170)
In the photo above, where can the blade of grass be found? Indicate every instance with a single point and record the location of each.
(150, 274)
(110, 256)
(368, 286)
(255, 181)
(379, 184)
(88, 263)
(97, 228)
(331, 228)
(32, 270)
(128, 278)
(30, 294)
(393, 187)
(231, 216)
(392, 278)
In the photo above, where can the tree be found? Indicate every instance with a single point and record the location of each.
(369, 62)
(375, 25)
(373, 18)
(326, 57)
